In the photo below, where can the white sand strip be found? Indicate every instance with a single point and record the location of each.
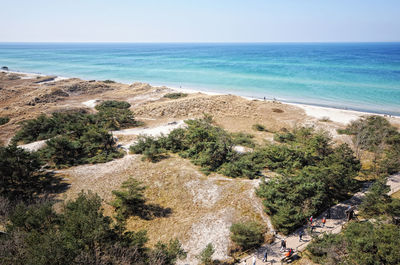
(153, 131)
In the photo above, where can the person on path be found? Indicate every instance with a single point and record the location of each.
(323, 221)
(254, 260)
(289, 253)
(311, 219)
(283, 245)
(265, 256)
(312, 228)
(301, 233)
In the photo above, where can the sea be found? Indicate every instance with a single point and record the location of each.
(355, 76)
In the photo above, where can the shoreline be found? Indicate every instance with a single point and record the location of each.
(319, 112)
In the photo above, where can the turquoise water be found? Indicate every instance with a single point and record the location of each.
(359, 76)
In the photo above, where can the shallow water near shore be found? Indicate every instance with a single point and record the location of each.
(358, 76)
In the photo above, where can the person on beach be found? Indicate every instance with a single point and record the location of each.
(254, 260)
(323, 221)
(301, 233)
(265, 256)
(283, 245)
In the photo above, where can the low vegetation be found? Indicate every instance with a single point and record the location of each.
(175, 95)
(79, 234)
(20, 174)
(313, 175)
(364, 242)
(259, 127)
(376, 135)
(360, 243)
(205, 256)
(78, 137)
(4, 120)
(247, 235)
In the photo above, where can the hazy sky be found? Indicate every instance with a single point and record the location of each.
(200, 21)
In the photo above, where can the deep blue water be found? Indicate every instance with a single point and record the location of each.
(360, 76)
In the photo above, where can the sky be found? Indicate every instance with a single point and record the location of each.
(199, 21)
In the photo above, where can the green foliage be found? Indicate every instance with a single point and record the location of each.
(95, 145)
(371, 132)
(360, 243)
(20, 175)
(79, 234)
(247, 235)
(112, 104)
(109, 81)
(314, 175)
(259, 127)
(130, 200)
(175, 95)
(4, 120)
(375, 134)
(167, 254)
(205, 255)
(78, 137)
(112, 115)
(377, 203)
(151, 148)
(244, 139)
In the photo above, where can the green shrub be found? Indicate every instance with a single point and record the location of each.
(247, 235)
(175, 95)
(79, 233)
(259, 127)
(360, 243)
(314, 176)
(20, 175)
(113, 104)
(205, 256)
(4, 120)
(150, 147)
(244, 139)
(129, 201)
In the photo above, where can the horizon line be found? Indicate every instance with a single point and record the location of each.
(200, 42)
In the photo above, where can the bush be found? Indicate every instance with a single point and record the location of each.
(4, 120)
(113, 104)
(247, 235)
(151, 148)
(360, 243)
(205, 256)
(20, 175)
(244, 139)
(175, 95)
(109, 81)
(78, 234)
(259, 127)
(130, 201)
(314, 176)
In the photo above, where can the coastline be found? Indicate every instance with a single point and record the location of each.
(338, 115)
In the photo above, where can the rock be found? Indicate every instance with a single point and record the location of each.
(4, 68)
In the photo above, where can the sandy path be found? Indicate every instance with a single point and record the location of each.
(333, 225)
(32, 147)
(152, 131)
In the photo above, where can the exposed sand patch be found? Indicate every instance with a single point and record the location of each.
(154, 131)
(35, 146)
(91, 103)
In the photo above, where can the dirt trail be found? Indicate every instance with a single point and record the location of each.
(333, 225)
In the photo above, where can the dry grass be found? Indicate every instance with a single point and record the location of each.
(203, 207)
(396, 195)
